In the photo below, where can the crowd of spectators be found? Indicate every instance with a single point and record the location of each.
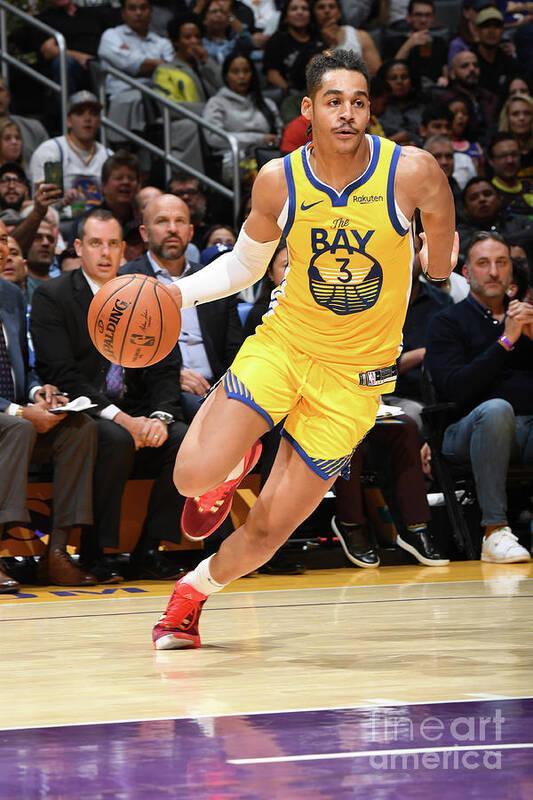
(461, 91)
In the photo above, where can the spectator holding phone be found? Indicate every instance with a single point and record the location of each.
(74, 162)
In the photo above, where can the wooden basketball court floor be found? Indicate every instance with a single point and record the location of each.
(406, 682)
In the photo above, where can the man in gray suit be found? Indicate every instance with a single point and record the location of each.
(29, 433)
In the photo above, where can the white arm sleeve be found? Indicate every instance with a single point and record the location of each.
(229, 273)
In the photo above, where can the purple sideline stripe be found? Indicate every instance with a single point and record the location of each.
(191, 758)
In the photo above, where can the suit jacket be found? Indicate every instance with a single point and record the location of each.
(66, 356)
(219, 321)
(13, 317)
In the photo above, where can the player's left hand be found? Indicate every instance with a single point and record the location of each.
(424, 253)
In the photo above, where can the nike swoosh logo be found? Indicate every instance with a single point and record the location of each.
(306, 208)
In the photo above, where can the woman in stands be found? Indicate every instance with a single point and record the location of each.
(405, 104)
(327, 15)
(10, 142)
(296, 35)
(517, 118)
(240, 108)
(220, 234)
(461, 133)
(219, 38)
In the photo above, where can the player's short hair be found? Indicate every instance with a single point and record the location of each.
(330, 60)
(97, 213)
(483, 236)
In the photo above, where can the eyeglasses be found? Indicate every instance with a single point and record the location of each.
(6, 179)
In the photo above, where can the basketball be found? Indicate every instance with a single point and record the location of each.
(134, 321)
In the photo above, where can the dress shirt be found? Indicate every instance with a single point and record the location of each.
(191, 342)
(124, 49)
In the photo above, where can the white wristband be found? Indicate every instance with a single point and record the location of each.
(229, 273)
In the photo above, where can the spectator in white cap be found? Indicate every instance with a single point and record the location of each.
(81, 157)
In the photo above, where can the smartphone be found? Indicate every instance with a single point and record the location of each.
(53, 173)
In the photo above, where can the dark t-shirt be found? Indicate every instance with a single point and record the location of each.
(281, 52)
(82, 30)
(429, 60)
(493, 76)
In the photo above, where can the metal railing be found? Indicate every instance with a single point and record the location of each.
(169, 108)
(6, 58)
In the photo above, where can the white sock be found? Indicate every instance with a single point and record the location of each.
(201, 580)
(236, 472)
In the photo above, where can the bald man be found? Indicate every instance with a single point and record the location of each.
(464, 85)
(211, 333)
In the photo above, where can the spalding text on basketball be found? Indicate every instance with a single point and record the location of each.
(114, 318)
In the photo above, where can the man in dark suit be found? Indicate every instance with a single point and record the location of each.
(140, 424)
(29, 433)
(211, 334)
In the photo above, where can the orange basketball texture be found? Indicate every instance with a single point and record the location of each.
(134, 321)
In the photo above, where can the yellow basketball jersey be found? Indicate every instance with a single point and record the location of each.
(345, 293)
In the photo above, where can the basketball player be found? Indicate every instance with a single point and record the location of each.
(328, 344)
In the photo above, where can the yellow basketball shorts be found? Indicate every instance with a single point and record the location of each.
(327, 413)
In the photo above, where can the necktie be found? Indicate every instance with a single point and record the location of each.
(7, 387)
(114, 382)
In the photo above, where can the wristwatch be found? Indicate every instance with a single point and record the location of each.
(163, 416)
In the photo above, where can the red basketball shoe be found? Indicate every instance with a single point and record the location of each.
(202, 515)
(178, 626)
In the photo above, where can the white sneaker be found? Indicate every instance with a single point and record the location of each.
(502, 547)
